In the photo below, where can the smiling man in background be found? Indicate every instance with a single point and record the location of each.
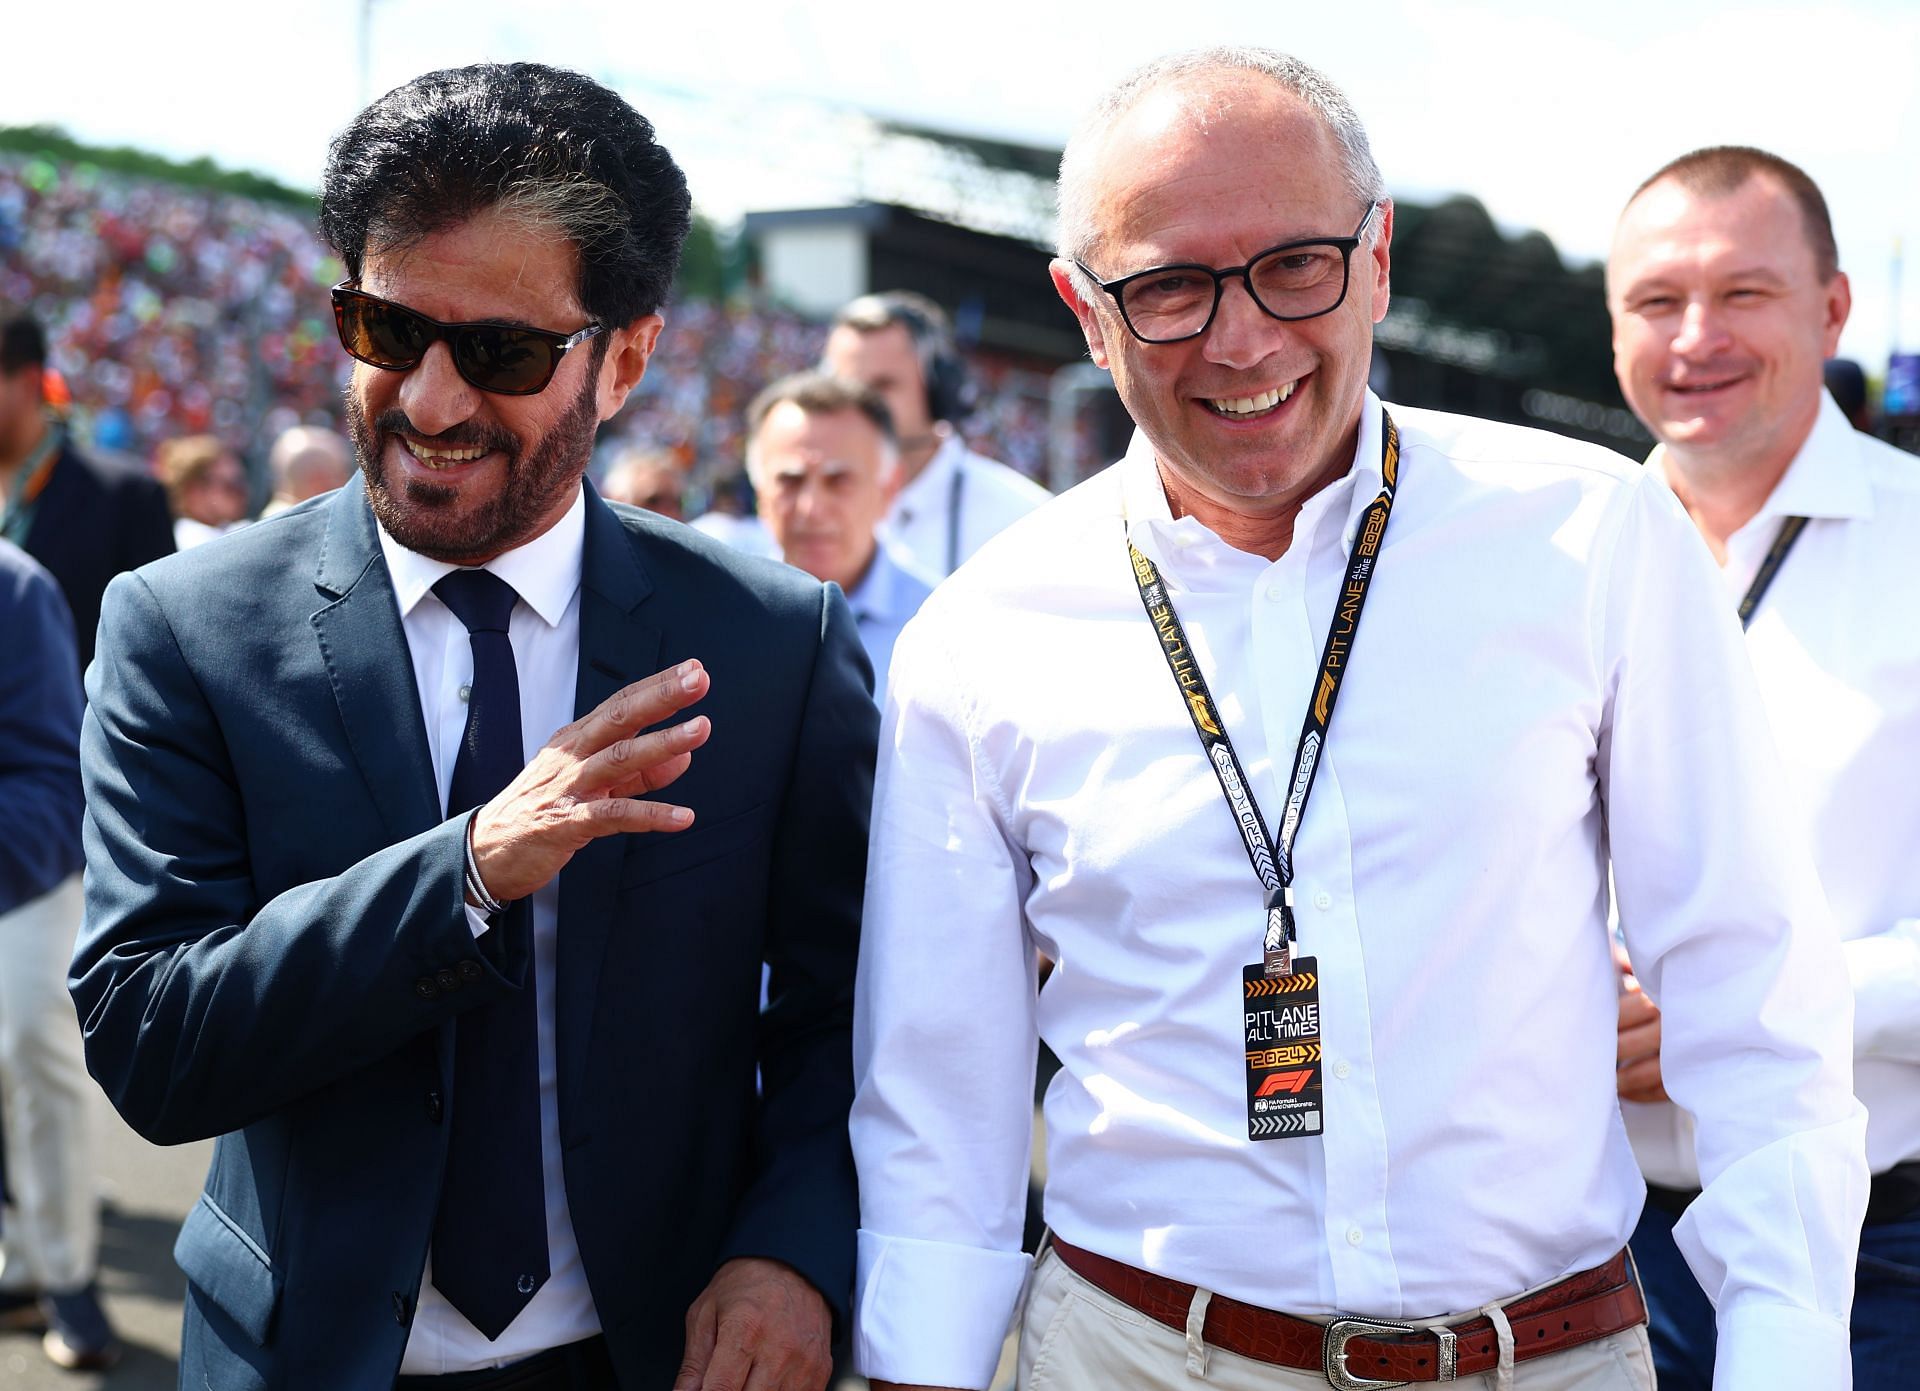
(378, 892)
(1727, 298)
(1336, 1100)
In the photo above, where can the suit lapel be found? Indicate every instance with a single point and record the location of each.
(365, 650)
(618, 645)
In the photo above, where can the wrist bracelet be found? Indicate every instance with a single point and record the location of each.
(476, 886)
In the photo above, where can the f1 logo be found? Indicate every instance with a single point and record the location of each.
(1293, 1082)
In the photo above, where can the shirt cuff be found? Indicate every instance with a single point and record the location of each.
(933, 1313)
(477, 921)
(1764, 1346)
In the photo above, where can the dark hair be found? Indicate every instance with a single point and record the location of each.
(550, 144)
(942, 370)
(23, 343)
(822, 393)
(1720, 170)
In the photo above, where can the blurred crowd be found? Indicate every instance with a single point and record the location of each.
(172, 311)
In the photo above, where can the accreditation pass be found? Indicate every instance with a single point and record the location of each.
(1282, 1023)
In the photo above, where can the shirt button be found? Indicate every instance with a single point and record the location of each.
(466, 694)
(1323, 900)
(1342, 1069)
(1276, 593)
(1355, 1236)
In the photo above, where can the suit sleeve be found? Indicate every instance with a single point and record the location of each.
(39, 739)
(800, 1206)
(204, 1008)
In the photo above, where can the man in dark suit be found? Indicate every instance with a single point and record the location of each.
(485, 1083)
(83, 519)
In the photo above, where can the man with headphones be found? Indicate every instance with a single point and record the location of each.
(951, 500)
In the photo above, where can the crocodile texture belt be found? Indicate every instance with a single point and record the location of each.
(1359, 1353)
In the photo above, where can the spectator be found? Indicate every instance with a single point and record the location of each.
(306, 461)
(1727, 295)
(951, 501)
(49, 1258)
(825, 466)
(86, 521)
(206, 488)
(648, 478)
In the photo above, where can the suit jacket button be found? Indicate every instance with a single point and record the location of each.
(400, 1303)
(446, 979)
(425, 988)
(470, 970)
(433, 1107)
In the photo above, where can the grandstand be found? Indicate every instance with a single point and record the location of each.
(181, 299)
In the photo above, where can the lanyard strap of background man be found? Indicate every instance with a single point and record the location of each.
(1783, 541)
(1272, 862)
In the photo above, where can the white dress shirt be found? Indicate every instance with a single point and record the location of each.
(887, 596)
(991, 496)
(1544, 668)
(545, 633)
(1836, 647)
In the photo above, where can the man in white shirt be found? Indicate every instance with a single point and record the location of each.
(951, 501)
(380, 888)
(1351, 1068)
(821, 452)
(1727, 296)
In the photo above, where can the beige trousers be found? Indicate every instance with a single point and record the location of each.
(52, 1239)
(1075, 1337)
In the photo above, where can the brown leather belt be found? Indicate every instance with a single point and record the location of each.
(1358, 1353)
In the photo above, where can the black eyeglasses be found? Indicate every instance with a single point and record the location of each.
(502, 358)
(1294, 280)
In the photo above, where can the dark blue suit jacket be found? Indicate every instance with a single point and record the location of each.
(276, 942)
(93, 521)
(39, 733)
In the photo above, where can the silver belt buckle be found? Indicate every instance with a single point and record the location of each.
(1333, 1352)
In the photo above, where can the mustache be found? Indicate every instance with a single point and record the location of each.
(468, 434)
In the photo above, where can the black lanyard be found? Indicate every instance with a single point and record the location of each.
(1273, 861)
(1790, 531)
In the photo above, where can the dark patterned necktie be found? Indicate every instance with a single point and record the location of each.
(490, 1234)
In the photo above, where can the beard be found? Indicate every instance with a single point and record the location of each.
(430, 518)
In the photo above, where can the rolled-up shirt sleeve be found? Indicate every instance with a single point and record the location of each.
(1730, 935)
(944, 1041)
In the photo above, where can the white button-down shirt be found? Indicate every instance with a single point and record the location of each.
(1545, 669)
(991, 497)
(1836, 646)
(545, 633)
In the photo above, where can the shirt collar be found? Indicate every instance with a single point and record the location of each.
(1827, 477)
(544, 572)
(1149, 518)
(877, 596)
(928, 488)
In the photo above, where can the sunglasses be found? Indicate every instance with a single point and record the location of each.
(501, 358)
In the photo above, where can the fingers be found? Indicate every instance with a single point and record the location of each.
(1641, 1081)
(702, 1324)
(635, 707)
(642, 762)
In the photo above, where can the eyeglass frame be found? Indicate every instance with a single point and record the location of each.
(561, 343)
(1346, 246)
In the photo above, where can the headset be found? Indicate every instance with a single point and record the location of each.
(950, 395)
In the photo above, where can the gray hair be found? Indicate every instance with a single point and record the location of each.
(821, 393)
(1077, 233)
